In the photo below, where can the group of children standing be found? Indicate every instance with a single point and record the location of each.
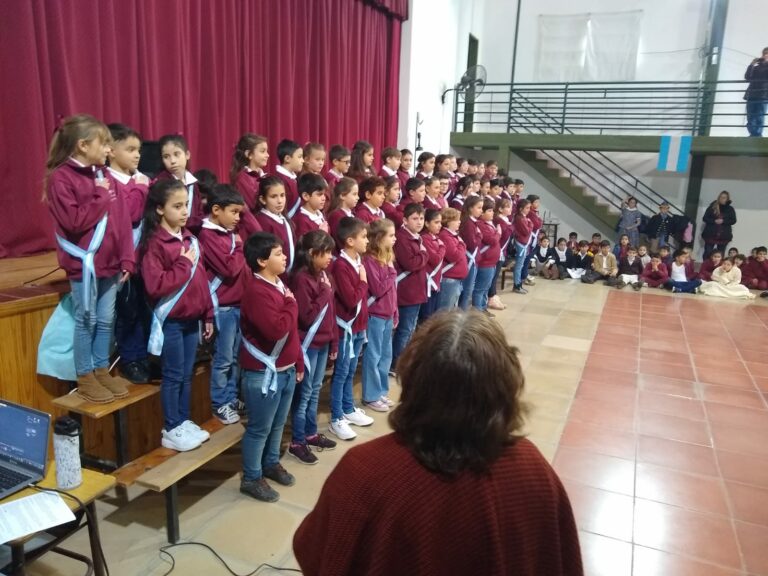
(282, 273)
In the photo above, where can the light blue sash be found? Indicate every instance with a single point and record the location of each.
(346, 327)
(295, 208)
(431, 284)
(270, 370)
(164, 307)
(87, 257)
(137, 234)
(471, 257)
(190, 197)
(214, 285)
(311, 336)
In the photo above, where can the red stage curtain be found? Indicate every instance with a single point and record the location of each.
(323, 70)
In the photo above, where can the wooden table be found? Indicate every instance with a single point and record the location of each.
(94, 485)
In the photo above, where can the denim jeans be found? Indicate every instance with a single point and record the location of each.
(756, 116)
(266, 419)
(342, 401)
(429, 307)
(492, 289)
(304, 408)
(688, 286)
(132, 320)
(467, 286)
(482, 284)
(521, 261)
(406, 325)
(178, 362)
(450, 290)
(527, 265)
(224, 369)
(377, 359)
(93, 330)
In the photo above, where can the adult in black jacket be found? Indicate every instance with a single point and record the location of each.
(718, 220)
(757, 93)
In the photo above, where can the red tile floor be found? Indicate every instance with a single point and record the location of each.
(665, 450)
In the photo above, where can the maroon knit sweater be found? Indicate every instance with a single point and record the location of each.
(381, 513)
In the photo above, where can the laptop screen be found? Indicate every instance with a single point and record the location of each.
(24, 436)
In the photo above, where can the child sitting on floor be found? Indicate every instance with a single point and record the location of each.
(726, 283)
(681, 276)
(603, 267)
(642, 253)
(709, 265)
(655, 274)
(581, 261)
(630, 269)
(544, 260)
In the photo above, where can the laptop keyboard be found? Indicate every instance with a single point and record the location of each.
(9, 478)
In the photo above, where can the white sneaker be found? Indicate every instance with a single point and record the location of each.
(495, 303)
(340, 428)
(530, 281)
(195, 431)
(388, 401)
(359, 418)
(227, 414)
(378, 405)
(179, 439)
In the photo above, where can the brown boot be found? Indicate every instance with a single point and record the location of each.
(89, 389)
(116, 385)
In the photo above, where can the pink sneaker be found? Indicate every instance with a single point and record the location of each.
(378, 406)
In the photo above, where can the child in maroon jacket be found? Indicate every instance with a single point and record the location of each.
(430, 237)
(487, 256)
(406, 164)
(340, 157)
(506, 229)
(312, 189)
(655, 274)
(392, 196)
(432, 188)
(174, 152)
(755, 270)
(382, 314)
(415, 192)
(455, 268)
(132, 313)
(630, 270)
(225, 265)
(345, 197)
(390, 162)
(91, 218)
(411, 257)
(248, 162)
(371, 196)
(177, 286)
(291, 157)
(709, 265)
(351, 302)
(319, 336)
(272, 364)
(272, 198)
(471, 234)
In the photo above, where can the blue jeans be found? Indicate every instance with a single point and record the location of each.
(467, 286)
(266, 420)
(756, 116)
(304, 408)
(132, 321)
(224, 368)
(521, 261)
(429, 307)
(377, 359)
(178, 362)
(406, 325)
(492, 289)
(450, 290)
(687, 286)
(342, 401)
(93, 330)
(482, 285)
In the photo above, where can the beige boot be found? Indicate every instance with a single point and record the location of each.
(89, 388)
(116, 385)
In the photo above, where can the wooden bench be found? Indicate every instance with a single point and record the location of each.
(79, 407)
(161, 469)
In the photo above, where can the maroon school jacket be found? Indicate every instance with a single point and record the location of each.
(366, 214)
(349, 290)
(435, 255)
(269, 224)
(403, 176)
(490, 238)
(291, 191)
(411, 256)
(247, 183)
(456, 254)
(391, 212)
(78, 205)
(302, 223)
(433, 203)
(523, 229)
(381, 285)
(312, 294)
(266, 315)
(248, 224)
(470, 233)
(164, 271)
(707, 267)
(134, 195)
(754, 270)
(224, 261)
(333, 223)
(195, 218)
(507, 230)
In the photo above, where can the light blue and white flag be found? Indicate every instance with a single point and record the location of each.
(674, 153)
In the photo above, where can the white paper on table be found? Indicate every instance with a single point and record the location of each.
(32, 514)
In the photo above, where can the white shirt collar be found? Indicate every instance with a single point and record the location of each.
(213, 226)
(276, 217)
(504, 218)
(355, 263)
(338, 175)
(279, 284)
(76, 161)
(258, 171)
(285, 172)
(415, 236)
(316, 218)
(347, 211)
(119, 176)
(188, 178)
(388, 170)
(372, 210)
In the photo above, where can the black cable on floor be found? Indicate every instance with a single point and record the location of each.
(164, 550)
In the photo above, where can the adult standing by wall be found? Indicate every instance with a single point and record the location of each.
(757, 93)
(455, 489)
(719, 218)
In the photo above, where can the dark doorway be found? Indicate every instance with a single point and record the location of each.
(469, 102)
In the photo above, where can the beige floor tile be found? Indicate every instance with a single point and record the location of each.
(545, 429)
(548, 405)
(552, 354)
(567, 342)
(557, 369)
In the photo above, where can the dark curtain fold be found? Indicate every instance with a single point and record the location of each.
(325, 70)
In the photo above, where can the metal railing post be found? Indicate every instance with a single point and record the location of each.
(565, 104)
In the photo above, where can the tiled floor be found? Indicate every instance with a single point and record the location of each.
(650, 406)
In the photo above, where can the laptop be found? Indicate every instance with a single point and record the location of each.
(24, 435)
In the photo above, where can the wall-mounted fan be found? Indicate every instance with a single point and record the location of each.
(471, 84)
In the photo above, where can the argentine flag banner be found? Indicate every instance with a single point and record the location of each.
(674, 153)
